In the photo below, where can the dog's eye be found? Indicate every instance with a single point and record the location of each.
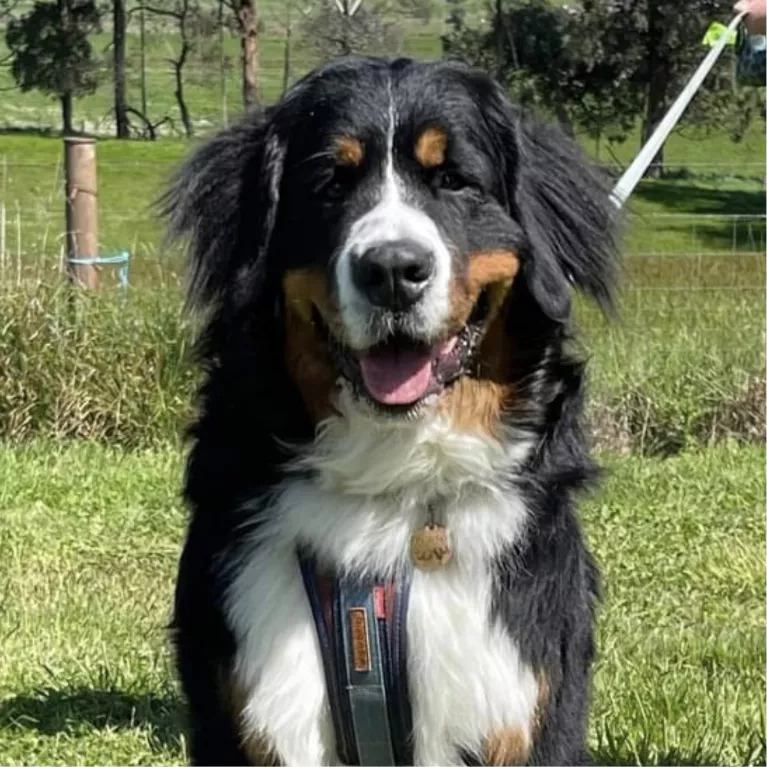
(450, 181)
(337, 185)
(333, 190)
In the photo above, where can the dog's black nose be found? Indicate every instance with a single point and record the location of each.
(394, 274)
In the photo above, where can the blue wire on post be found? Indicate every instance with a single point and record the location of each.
(122, 258)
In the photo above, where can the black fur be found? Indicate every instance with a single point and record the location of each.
(254, 204)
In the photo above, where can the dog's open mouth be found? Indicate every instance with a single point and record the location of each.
(402, 372)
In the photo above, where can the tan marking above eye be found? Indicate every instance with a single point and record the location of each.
(349, 151)
(491, 269)
(431, 147)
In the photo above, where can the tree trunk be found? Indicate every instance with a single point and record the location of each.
(287, 51)
(222, 65)
(65, 94)
(499, 58)
(247, 18)
(66, 113)
(346, 44)
(142, 51)
(657, 85)
(118, 41)
(178, 68)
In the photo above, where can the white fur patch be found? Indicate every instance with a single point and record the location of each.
(371, 481)
(389, 220)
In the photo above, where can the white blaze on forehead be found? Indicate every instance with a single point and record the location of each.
(392, 218)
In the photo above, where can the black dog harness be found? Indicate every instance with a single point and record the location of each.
(361, 630)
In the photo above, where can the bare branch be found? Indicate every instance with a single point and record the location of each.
(178, 15)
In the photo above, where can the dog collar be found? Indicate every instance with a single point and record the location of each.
(360, 626)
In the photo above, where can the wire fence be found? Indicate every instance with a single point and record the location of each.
(722, 248)
(32, 246)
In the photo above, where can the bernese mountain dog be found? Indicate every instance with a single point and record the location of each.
(383, 265)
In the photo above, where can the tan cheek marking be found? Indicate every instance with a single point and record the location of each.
(257, 748)
(491, 269)
(514, 745)
(542, 704)
(306, 355)
(477, 404)
(349, 151)
(431, 147)
(304, 288)
(509, 746)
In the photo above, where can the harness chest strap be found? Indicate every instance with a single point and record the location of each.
(360, 627)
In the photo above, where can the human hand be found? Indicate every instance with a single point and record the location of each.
(756, 20)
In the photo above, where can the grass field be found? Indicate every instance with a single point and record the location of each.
(663, 216)
(90, 538)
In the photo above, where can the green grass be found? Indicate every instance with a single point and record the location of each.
(131, 175)
(680, 678)
(109, 366)
(679, 367)
(89, 539)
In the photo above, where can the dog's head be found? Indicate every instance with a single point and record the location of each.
(391, 216)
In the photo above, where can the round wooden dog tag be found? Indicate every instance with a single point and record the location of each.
(430, 547)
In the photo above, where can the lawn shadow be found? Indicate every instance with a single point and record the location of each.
(50, 711)
(693, 198)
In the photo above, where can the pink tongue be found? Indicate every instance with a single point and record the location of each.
(396, 377)
(400, 376)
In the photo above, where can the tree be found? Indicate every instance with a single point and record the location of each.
(661, 47)
(341, 27)
(600, 65)
(183, 13)
(118, 50)
(245, 14)
(50, 51)
(670, 44)
(554, 59)
(721, 105)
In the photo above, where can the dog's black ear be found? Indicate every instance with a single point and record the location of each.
(224, 199)
(563, 204)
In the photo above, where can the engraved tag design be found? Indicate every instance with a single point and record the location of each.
(430, 547)
(358, 627)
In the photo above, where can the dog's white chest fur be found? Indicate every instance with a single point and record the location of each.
(358, 510)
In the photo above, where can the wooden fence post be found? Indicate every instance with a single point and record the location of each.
(82, 208)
